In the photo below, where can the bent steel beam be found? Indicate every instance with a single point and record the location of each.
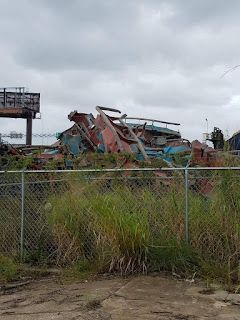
(109, 124)
(135, 138)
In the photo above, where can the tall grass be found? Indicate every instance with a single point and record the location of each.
(122, 224)
(122, 231)
(8, 268)
(215, 227)
(135, 223)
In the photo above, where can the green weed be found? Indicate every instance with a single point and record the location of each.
(8, 268)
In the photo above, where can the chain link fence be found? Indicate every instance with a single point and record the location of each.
(122, 217)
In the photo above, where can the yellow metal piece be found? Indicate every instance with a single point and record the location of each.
(236, 133)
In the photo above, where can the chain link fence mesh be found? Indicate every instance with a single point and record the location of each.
(10, 213)
(214, 219)
(121, 218)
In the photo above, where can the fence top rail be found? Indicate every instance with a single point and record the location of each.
(122, 170)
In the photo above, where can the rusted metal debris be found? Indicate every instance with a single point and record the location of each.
(105, 134)
(123, 135)
(119, 134)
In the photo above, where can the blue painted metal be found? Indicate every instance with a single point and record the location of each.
(68, 163)
(73, 142)
(175, 150)
(140, 157)
(51, 152)
(100, 136)
(101, 149)
(234, 142)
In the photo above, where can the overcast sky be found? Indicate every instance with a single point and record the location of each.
(150, 58)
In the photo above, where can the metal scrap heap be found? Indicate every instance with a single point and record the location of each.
(122, 134)
(146, 139)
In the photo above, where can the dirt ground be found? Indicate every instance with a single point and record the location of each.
(143, 297)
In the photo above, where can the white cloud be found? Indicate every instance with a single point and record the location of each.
(155, 58)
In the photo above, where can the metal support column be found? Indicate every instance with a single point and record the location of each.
(29, 131)
(4, 97)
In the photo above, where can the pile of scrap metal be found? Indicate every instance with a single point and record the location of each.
(151, 139)
(116, 134)
(6, 150)
(107, 134)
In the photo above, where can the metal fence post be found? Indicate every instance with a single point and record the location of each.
(186, 204)
(22, 218)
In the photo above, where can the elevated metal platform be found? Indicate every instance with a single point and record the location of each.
(17, 102)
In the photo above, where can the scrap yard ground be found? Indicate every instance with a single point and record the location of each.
(143, 297)
(139, 198)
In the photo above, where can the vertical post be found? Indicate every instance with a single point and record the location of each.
(29, 130)
(22, 218)
(4, 97)
(186, 204)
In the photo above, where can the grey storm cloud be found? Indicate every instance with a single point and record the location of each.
(157, 58)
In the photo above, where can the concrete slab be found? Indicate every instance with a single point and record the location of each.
(143, 297)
